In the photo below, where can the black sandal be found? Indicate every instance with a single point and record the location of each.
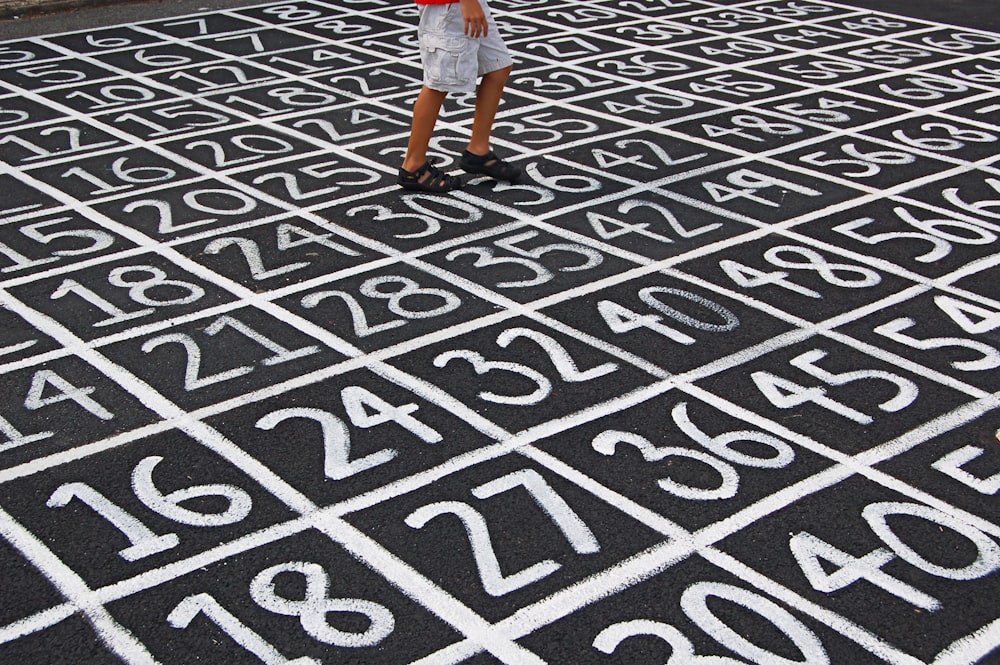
(436, 180)
(492, 166)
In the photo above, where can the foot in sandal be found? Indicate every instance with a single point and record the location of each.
(428, 178)
(491, 165)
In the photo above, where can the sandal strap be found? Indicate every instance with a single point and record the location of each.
(473, 159)
(442, 179)
(437, 176)
(416, 173)
(436, 181)
(498, 169)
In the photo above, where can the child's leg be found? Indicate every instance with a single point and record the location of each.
(425, 114)
(416, 172)
(487, 102)
(478, 157)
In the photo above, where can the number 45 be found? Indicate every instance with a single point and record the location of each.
(785, 394)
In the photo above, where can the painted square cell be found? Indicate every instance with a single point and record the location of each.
(238, 148)
(352, 436)
(958, 41)
(549, 184)
(853, 159)
(917, 89)
(840, 398)
(41, 242)
(693, 463)
(671, 324)
(204, 204)
(645, 157)
(873, 25)
(526, 264)
(281, 596)
(960, 467)
(201, 361)
(285, 15)
(902, 235)
(914, 560)
(569, 47)
(323, 58)
(389, 307)
(732, 50)
(559, 84)
(50, 73)
(983, 73)
(117, 94)
(643, 65)
(727, 87)
(229, 76)
(954, 335)
(370, 82)
(62, 405)
(353, 125)
(797, 11)
(316, 179)
(891, 54)
(395, 42)
(139, 506)
(672, 603)
(807, 37)
(288, 253)
(747, 130)
(53, 142)
(660, 37)
(761, 192)
(833, 109)
(644, 105)
(529, 534)
(196, 25)
(948, 138)
(114, 174)
(813, 70)
(732, 21)
(649, 225)
(251, 43)
(966, 195)
(156, 122)
(407, 221)
(99, 40)
(157, 58)
(578, 19)
(106, 298)
(544, 129)
(518, 373)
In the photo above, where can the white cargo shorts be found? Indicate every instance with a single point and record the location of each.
(452, 60)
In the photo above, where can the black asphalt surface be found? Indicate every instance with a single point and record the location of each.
(716, 383)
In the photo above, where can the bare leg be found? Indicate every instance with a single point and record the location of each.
(487, 102)
(425, 114)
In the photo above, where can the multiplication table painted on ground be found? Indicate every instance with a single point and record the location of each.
(715, 381)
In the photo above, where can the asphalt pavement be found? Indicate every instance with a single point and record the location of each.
(715, 383)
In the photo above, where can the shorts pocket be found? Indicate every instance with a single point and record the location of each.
(445, 59)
